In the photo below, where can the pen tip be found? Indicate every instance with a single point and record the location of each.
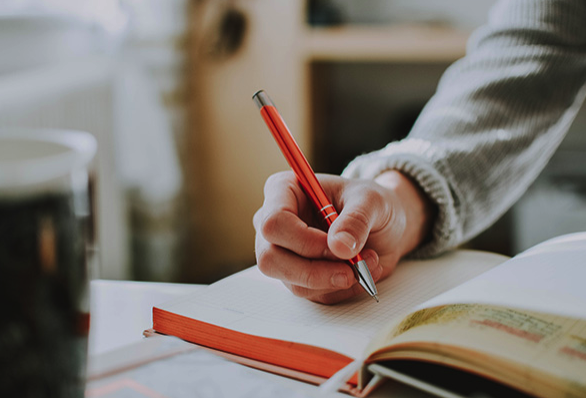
(375, 297)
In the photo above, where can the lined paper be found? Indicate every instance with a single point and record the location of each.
(252, 303)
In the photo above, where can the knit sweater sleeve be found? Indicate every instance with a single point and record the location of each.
(496, 118)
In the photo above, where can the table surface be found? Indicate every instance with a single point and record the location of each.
(121, 311)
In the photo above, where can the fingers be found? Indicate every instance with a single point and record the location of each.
(316, 274)
(322, 281)
(326, 297)
(286, 229)
(364, 210)
(307, 259)
(281, 219)
(332, 296)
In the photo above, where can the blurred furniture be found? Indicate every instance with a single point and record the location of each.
(63, 67)
(52, 76)
(77, 95)
(232, 153)
(29, 40)
(151, 91)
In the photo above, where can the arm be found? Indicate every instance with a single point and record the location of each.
(496, 119)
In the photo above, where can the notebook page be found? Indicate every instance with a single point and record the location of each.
(252, 303)
(547, 278)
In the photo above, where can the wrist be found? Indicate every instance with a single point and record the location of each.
(420, 211)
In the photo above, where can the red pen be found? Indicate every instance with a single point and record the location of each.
(308, 180)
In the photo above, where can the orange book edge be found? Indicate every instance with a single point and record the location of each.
(294, 360)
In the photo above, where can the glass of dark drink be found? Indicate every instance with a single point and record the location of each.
(44, 286)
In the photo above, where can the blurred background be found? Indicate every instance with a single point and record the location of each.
(166, 86)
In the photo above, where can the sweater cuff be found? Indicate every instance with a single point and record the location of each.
(420, 161)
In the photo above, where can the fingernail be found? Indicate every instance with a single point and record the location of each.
(339, 280)
(346, 239)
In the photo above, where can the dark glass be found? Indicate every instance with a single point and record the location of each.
(43, 295)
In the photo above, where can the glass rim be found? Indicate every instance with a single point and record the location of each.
(79, 148)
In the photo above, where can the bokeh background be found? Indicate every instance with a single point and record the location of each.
(166, 86)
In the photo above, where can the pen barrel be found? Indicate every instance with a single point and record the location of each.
(300, 166)
(356, 259)
(328, 213)
(298, 162)
(308, 180)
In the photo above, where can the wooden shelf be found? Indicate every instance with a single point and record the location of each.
(400, 43)
(233, 153)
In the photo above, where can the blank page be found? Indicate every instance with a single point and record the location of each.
(547, 278)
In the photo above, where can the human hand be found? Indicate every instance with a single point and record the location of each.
(382, 219)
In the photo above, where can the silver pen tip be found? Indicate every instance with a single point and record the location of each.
(365, 279)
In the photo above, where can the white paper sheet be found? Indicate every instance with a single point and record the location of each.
(187, 374)
(251, 303)
(549, 278)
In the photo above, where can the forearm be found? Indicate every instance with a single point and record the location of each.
(496, 119)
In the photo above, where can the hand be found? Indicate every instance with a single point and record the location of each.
(382, 219)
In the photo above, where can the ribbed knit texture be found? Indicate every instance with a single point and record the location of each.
(496, 119)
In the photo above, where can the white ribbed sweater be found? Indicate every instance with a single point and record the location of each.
(497, 117)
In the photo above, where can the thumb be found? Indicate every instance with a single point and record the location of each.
(349, 232)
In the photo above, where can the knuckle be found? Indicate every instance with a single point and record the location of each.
(272, 180)
(265, 261)
(325, 299)
(270, 225)
(311, 279)
(298, 291)
(277, 179)
(256, 219)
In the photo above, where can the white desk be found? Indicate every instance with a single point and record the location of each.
(121, 311)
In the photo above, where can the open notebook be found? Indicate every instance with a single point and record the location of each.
(254, 317)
